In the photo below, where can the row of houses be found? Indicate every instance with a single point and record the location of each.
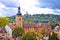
(7, 31)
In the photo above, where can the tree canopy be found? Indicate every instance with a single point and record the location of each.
(29, 36)
(4, 21)
(45, 18)
(53, 36)
(18, 31)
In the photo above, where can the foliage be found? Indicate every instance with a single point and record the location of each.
(40, 36)
(39, 18)
(53, 36)
(29, 36)
(53, 26)
(18, 31)
(12, 18)
(59, 23)
(4, 21)
(45, 31)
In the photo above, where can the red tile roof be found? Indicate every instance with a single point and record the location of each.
(35, 25)
(47, 25)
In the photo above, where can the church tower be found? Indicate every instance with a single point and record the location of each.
(19, 18)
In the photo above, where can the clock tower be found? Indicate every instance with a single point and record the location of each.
(19, 18)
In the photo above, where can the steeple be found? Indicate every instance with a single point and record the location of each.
(19, 18)
(19, 13)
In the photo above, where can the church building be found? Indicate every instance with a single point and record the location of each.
(19, 18)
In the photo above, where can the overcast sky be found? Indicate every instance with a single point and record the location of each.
(9, 7)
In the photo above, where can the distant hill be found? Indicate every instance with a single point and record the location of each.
(27, 18)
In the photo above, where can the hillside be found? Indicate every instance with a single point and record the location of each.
(53, 19)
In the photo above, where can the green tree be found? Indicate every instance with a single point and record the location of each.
(45, 31)
(40, 36)
(18, 31)
(53, 36)
(4, 21)
(29, 36)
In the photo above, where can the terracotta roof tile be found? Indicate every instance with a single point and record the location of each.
(37, 25)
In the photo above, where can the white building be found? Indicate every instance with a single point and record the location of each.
(8, 30)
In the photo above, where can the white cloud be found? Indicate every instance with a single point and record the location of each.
(31, 7)
(7, 11)
(2, 5)
(26, 5)
(0, 14)
(10, 2)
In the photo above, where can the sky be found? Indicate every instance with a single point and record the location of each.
(9, 7)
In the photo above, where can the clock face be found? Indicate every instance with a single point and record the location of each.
(20, 19)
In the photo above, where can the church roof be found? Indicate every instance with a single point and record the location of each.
(19, 13)
(33, 25)
(37, 25)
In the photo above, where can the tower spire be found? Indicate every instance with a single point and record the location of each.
(19, 9)
(19, 13)
(19, 17)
